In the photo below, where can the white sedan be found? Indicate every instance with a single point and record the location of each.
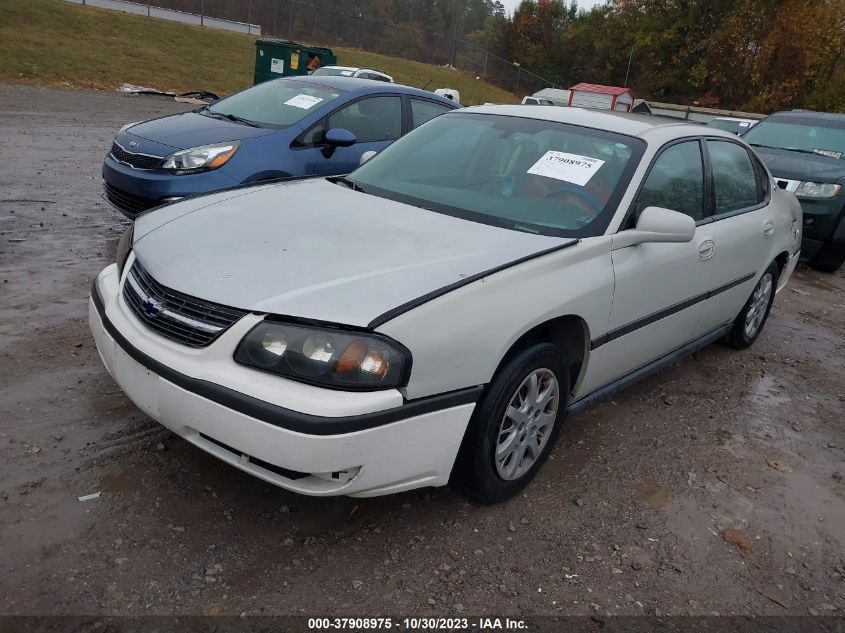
(435, 315)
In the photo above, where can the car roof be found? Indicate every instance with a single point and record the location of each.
(357, 86)
(639, 125)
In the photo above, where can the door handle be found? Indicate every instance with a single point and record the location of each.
(707, 249)
(768, 228)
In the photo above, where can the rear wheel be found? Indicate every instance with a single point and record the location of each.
(515, 425)
(748, 325)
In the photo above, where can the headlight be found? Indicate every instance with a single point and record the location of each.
(324, 356)
(197, 159)
(124, 247)
(816, 190)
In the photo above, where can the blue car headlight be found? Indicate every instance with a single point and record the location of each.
(325, 356)
(199, 159)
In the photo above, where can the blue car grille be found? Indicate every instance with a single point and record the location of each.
(130, 204)
(175, 315)
(138, 161)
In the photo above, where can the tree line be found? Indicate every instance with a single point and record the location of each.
(755, 55)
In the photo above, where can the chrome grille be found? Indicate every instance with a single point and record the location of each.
(175, 315)
(138, 161)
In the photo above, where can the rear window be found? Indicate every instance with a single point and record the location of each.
(728, 125)
(334, 71)
(277, 103)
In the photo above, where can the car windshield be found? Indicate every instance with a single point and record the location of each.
(519, 173)
(334, 71)
(815, 136)
(730, 125)
(276, 103)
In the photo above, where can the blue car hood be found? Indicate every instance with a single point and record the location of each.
(190, 129)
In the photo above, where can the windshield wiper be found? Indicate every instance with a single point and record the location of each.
(229, 117)
(343, 180)
(237, 119)
(788, 149)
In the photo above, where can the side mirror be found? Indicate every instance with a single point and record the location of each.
(656, 224)
(366, 156)
(337, 137)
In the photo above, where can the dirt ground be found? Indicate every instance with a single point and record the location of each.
(713, 487)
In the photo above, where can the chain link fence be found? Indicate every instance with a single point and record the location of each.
(304, 22)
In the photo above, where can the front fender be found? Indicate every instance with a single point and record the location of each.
(458, 339)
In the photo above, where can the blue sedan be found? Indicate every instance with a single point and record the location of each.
(292, 127)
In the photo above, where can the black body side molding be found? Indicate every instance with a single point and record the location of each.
(644, 372)
(665, 312)
(414, 303)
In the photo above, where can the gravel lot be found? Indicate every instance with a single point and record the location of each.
(713, 487)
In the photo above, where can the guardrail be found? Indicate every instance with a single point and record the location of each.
(149, 10)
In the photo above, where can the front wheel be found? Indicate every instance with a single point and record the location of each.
(830, 257)
(748, 325)
(515, 425)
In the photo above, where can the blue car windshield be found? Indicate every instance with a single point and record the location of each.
(524, 174)
(276, 103)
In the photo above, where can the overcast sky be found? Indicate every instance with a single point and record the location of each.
(510, 5)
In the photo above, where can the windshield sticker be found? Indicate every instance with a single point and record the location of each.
(277, 65)
(827, 152)
(744, 124)
(305, 102)
(568, 167)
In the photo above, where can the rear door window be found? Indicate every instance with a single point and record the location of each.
(423, 111)
(735, 180)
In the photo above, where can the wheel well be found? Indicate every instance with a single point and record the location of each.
(570, 333)
(781, 260)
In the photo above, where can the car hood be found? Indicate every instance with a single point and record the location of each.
(318, 250)
(800, 166)
(190, 129)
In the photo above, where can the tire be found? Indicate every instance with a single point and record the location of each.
(748, 325)
(483, 477)
(829, 258)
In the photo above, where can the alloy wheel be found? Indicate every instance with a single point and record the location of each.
(527, 424)
(759, 305)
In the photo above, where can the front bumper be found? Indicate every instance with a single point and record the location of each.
(305, 439)
(133, 191)
(823, 221)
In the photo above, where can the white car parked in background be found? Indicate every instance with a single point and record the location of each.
(353, 71)
(436, 314)
(732, 124)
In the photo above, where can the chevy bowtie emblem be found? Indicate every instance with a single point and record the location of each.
(153, 307)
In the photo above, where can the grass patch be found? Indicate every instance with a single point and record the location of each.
(58, 43)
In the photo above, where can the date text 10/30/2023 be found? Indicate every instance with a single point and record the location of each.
(416, 624)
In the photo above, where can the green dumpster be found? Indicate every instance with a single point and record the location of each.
(283, 58)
